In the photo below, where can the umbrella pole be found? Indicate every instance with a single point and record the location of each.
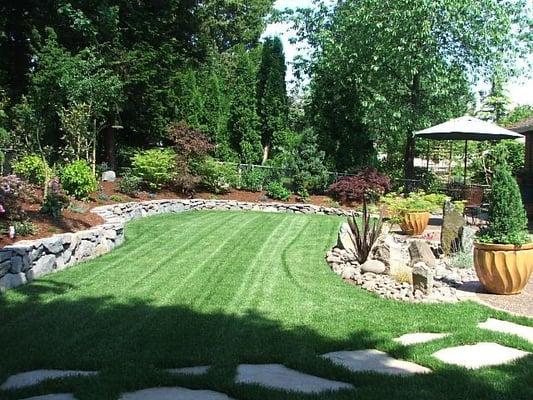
(466, 161)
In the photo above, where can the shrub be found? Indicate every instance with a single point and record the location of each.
(55, 201)
(78, 180)
(364, 233)
(353, 188)
(32, 168)
(156, 167)
(25, 228)
(507, 217)
(277, 191)
(217, 177)
(116, 197)
(130, 184)
(13, 191)
(252, 179)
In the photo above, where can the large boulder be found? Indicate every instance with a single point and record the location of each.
(42, 266)
(420, 251)
(453, 224)
(422, 278)
(109, 176)
(389, 251)
(10, 281)
(374, 266)
(344, 240)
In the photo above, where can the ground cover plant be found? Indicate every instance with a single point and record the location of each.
(193, 292)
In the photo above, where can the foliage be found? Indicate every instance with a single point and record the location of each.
(397, 205)
(272, 102)
(383, 69)
(507, 217)
(511, 151)
(156, 167)
(130, 184)
(78, 180)
(368, 182)
(13, 191)
(518, 114)
(276, 190)
(25, 228)
(217, 177)
(75, 123)
(56, 200)
(117, 198)
(252, 179)
(32, 168)
(364, 231)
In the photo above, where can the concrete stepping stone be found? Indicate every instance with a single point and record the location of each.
(417, 338)
(174, 393)
(496, 325)
(278, 376)
(479, 355)
(60, 396)
(31, 378)
(200, 370)
(374, 361)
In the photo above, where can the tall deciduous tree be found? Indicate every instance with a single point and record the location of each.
(272, 103)
(411, 61)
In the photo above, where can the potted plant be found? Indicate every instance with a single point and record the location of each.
(503, 251)
(411, 213)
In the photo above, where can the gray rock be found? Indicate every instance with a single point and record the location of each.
(16, 265)
(389, 251)
(452, 227)
(35, 253)
(344, 240)
(54, 244)
(85, 250)
(422, 278)
(467, 238)
(109, 176)
(5, 267)
(10, 281)
(349, 272)
(5, 255)
(420, 251)
(374, 266)
(42, 266)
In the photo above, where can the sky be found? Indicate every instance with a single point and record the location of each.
(520, 89)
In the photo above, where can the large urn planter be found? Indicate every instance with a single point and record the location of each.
(503, 268)
(414, 222)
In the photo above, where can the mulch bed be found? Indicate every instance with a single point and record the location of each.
(78, 217)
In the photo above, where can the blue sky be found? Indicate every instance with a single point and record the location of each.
(520, 90)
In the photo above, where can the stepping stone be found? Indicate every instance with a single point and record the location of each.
(374, 361)
(417, 338)
(61, 396)
(201, 370)
(479, 355)
(174, 393)
(278, 376)
(31, 378)
(496, 325)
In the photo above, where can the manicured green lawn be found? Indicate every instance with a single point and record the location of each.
(223, 288)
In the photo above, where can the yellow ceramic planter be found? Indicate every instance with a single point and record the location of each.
(503, 268)
(414, 222)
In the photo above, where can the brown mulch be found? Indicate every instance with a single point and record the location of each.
(79, 217)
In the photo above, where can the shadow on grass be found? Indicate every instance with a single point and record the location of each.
(131, 343)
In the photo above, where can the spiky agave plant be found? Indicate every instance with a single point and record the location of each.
(364, 232)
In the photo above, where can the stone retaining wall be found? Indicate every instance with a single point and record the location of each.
(30, 259)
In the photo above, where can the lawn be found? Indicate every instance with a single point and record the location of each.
(223, 288)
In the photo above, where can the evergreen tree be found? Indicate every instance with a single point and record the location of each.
(272, 103)
(243, 126)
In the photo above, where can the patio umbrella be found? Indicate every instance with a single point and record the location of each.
(467, 128)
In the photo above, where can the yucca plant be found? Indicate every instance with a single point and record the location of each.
(364, 232)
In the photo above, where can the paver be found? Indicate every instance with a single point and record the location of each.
(174, 393)
(496, 325)
(374, 361)
(417, 338)
(479, 355)
(31, 378)
(278, 376)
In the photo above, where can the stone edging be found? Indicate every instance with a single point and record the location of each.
(29, 259)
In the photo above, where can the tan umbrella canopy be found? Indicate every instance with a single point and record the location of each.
(467, 128)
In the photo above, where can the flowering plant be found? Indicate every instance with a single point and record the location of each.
(13, 191)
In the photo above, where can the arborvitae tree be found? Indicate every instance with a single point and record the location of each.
(272, 103)
(507, 219)
(243, 126)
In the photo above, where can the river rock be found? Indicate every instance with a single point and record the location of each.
(109, 176)
(374, 266)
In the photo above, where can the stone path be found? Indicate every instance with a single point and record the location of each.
(200, 370)
(278, 376)
(525, 332)
(417, 338)
(174, 393)
(374, 361)
(59, 396)
(479, 355)
(31, 378)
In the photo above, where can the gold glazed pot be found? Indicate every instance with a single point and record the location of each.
(414, 222)
(503, 268)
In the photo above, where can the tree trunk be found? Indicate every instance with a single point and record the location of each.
(110, 147)
(266, 153)
(409, 157)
